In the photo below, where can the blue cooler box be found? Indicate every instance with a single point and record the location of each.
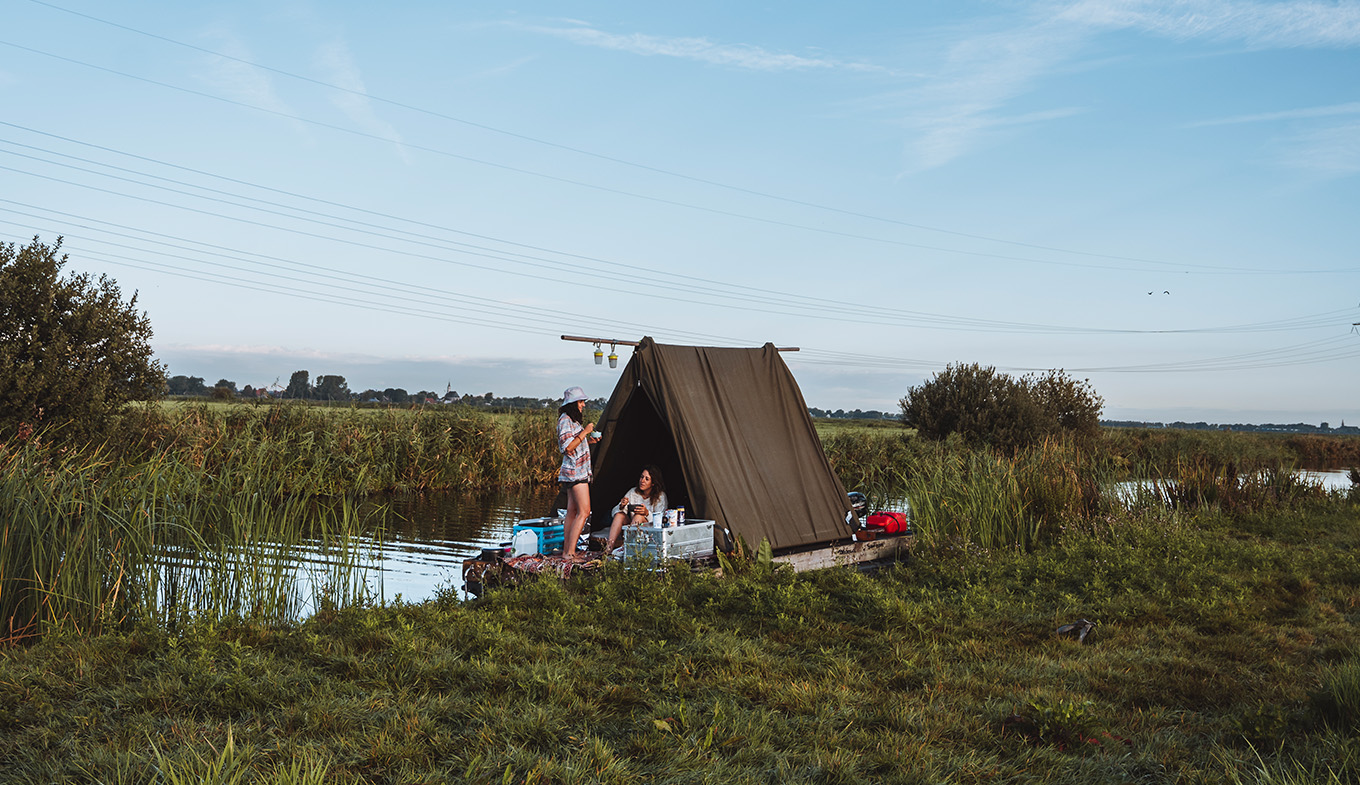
(549, 532)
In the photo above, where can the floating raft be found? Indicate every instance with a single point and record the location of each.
(495, 567)
(490, 570)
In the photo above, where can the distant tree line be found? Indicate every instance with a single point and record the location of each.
(856, 414)
(334, 388)
(1298, 427)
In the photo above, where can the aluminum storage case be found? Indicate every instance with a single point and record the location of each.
(694, 540)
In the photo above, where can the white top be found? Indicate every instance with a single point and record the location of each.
(633, 497)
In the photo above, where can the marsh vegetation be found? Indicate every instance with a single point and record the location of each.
(1224, 646)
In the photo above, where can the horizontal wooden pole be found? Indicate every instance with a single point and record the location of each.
(617, 342)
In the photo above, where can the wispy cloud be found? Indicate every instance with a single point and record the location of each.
(1308, 113)
(1302, 23)
(1333, 151)
(499, 70)
(964, 104)
(703, 50)
(233, 76)
(335, 59)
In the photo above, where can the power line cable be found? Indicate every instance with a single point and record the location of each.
(834, 311)
(1308, 353)
(494, 310)
(722, 289)
(597, 155)
(1199, 268)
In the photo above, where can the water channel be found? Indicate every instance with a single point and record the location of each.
(420, 551)
(427, 536)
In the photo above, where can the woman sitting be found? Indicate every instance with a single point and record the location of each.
(637, 505)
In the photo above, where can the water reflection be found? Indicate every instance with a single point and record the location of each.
(421, 548)
(427, 536)
(1131, 491)
(1331, 481)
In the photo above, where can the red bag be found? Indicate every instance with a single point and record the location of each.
(890, 522)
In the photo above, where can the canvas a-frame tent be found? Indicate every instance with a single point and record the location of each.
(732, 437)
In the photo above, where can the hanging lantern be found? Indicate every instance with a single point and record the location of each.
(613, 357)
(599, 355)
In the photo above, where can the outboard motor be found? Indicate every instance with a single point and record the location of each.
(859, 505)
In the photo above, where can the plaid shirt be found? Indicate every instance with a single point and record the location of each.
(575, 464)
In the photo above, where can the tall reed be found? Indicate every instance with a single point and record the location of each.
(874, 463)
(88, 543)
(971, 496)
(295, 447)
(1202, 482)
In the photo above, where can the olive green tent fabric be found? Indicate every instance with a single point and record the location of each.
(731, 435)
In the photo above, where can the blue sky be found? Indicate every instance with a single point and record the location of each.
(1158, 196)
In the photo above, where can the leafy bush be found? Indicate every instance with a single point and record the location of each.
(1068, 405)
(987, 407)
(72, 350)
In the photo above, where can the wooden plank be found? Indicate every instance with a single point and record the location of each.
(848, 553)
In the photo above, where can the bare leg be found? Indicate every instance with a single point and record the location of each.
(578, 510)
(615, 533)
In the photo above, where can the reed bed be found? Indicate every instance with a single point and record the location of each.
(333, 451)
(90, 544)
(222, 512)
(995, 500)
(195, 510)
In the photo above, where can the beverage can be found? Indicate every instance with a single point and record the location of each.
(679, 516)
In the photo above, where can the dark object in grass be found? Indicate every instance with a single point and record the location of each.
(1078, 629)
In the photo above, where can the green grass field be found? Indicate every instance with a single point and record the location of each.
(1224, 651)
(828, 426)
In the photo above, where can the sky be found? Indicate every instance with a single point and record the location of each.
(1162, 197)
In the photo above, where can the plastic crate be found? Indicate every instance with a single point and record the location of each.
(550, 532)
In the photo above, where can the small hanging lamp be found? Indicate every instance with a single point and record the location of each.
(613, 357)
(599, 355)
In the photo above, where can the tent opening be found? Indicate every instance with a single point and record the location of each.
(649, 442)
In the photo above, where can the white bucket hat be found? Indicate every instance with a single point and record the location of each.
(572, 395)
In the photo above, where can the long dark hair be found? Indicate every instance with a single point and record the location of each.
(658, 484)
(571, 410)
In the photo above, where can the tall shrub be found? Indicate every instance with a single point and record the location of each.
(72, 351)
(987, 407)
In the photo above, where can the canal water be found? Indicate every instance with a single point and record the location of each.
(1333, 481)
(419, 552)
(421, 548)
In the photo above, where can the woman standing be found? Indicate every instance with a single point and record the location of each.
(572, 441)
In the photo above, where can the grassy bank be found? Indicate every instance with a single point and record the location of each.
(1224, 651)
